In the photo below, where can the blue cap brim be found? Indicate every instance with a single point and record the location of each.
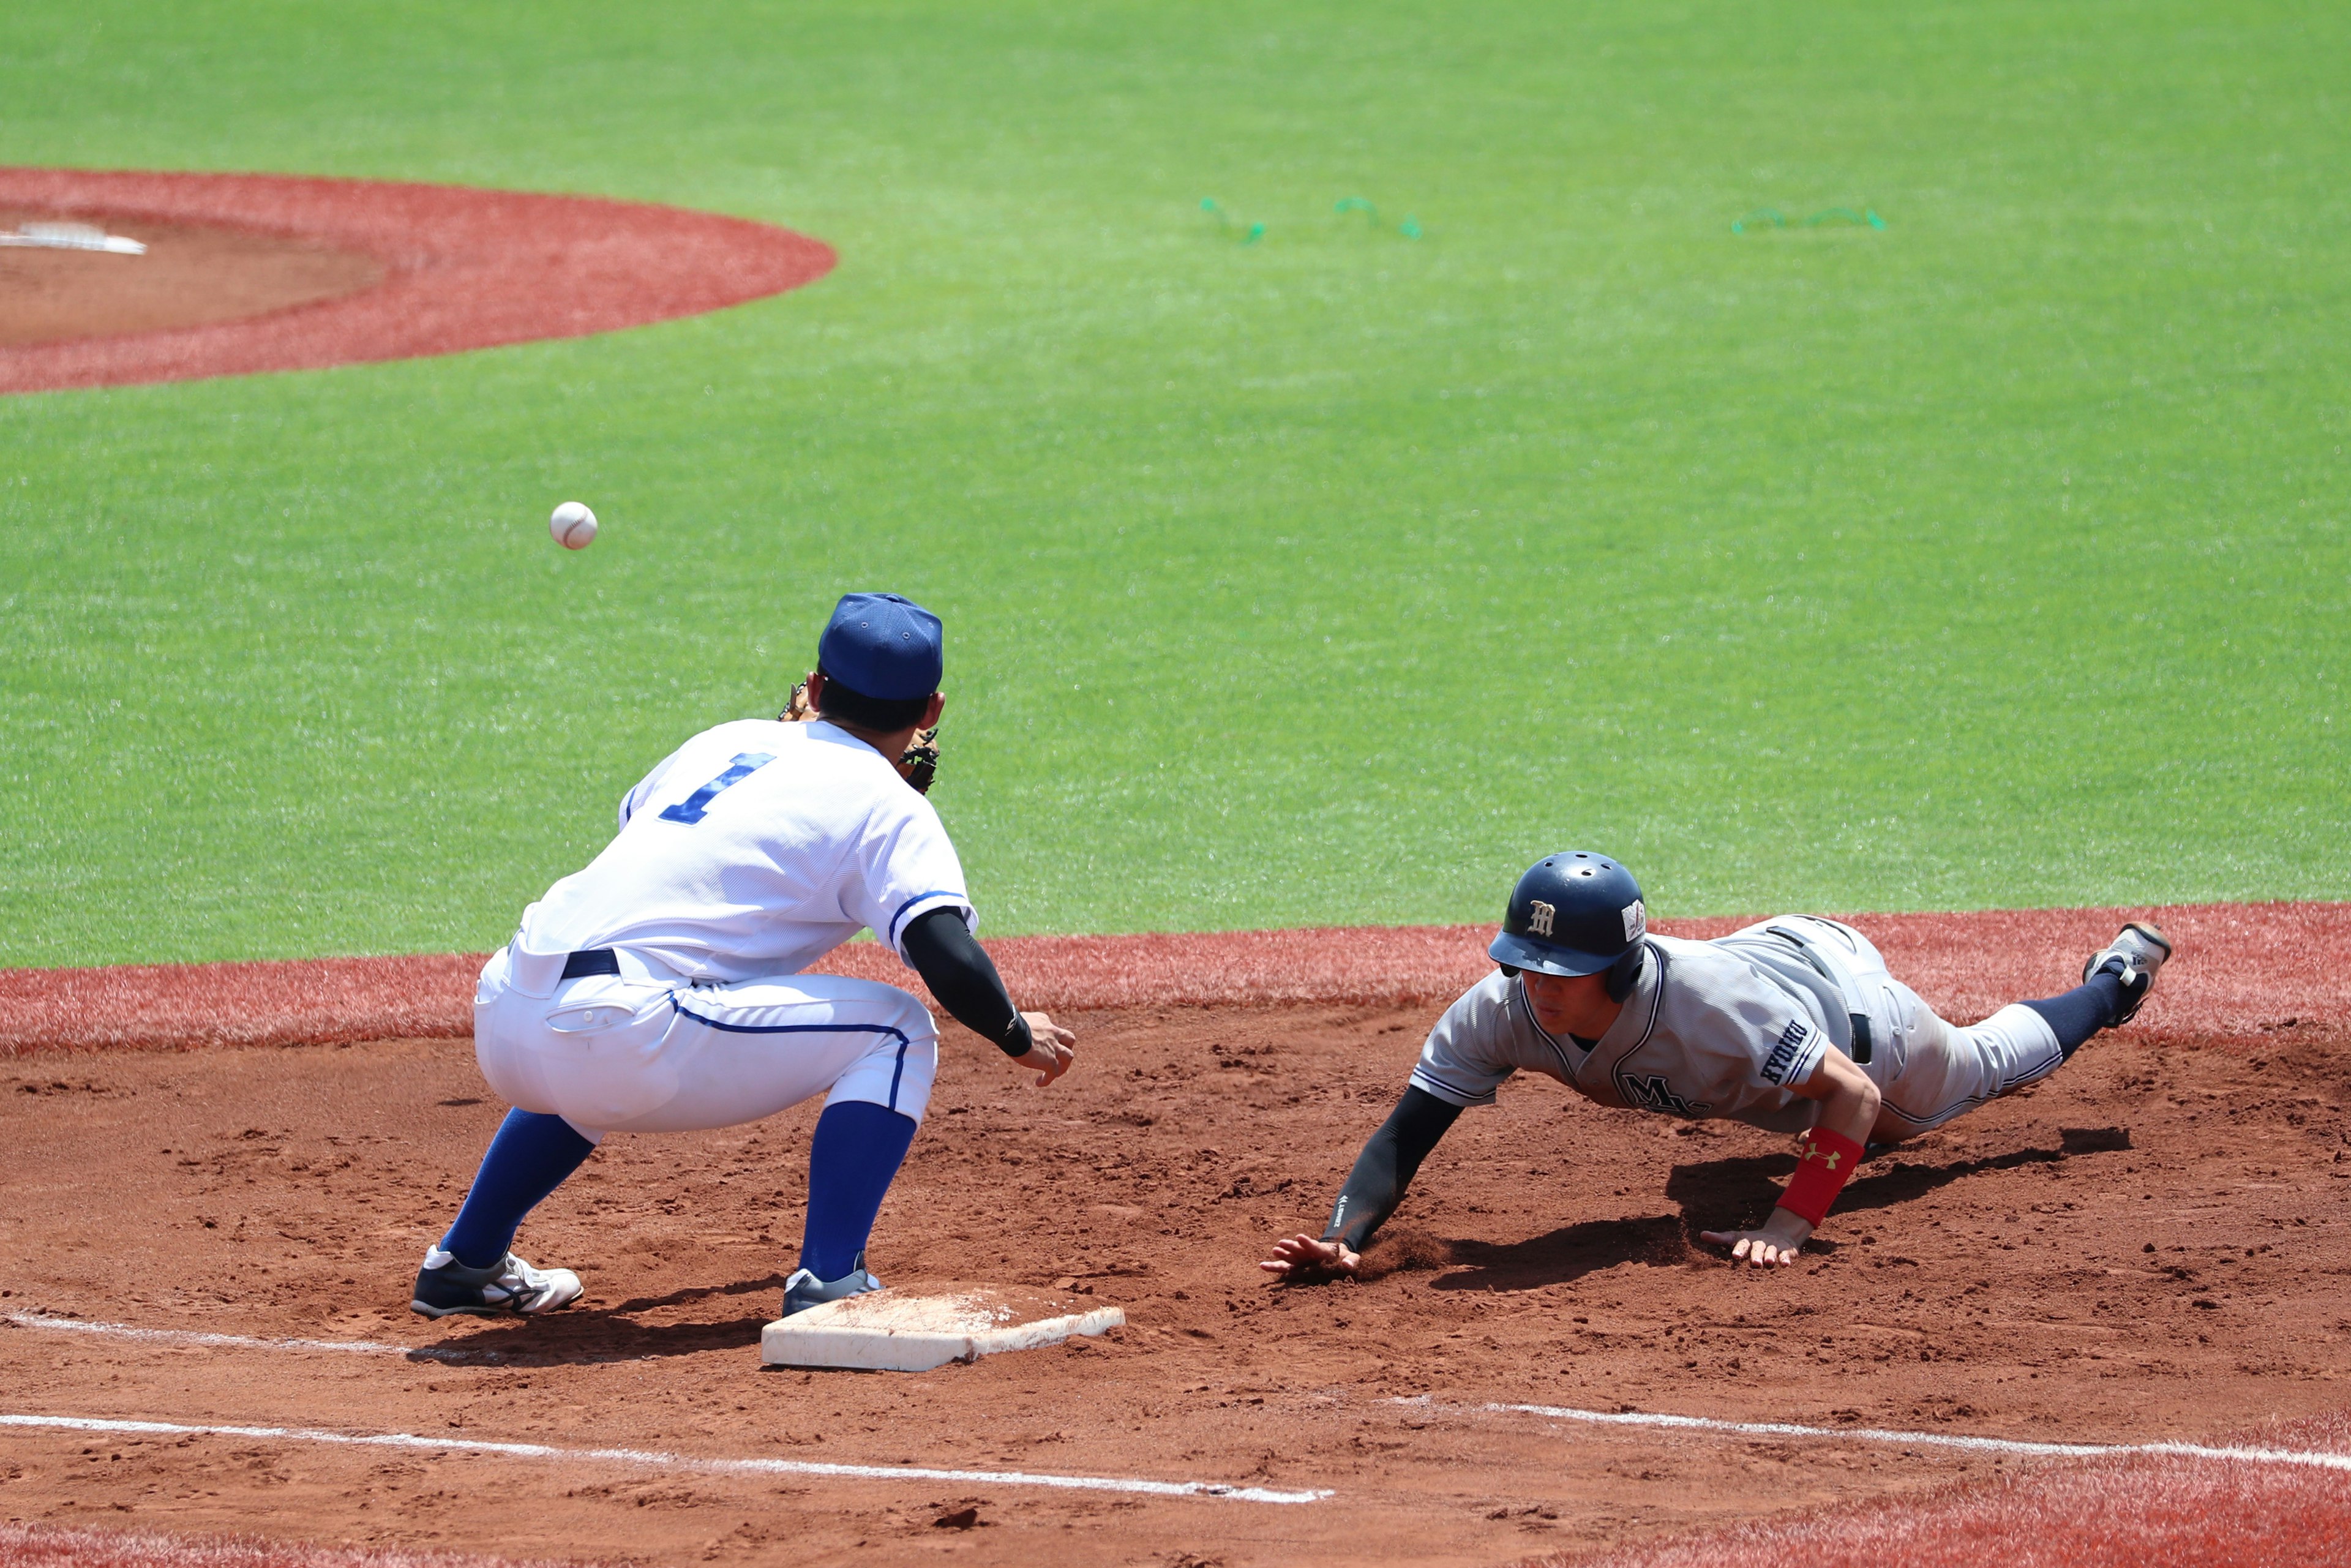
(1525, 953)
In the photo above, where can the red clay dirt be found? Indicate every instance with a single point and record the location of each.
(423, 269)
(2246, 972)
(1984, 1281)
(192, 275)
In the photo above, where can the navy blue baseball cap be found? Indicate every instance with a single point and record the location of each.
(882, 645)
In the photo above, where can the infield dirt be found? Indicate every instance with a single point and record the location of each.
(1983, 1281)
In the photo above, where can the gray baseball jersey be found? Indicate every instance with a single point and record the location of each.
(1711, 1028)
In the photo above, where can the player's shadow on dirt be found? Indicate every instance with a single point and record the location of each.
(582, 1335)
(704, 1292)
(1567, 1254)
(1714, 1194)
(1718, 1195)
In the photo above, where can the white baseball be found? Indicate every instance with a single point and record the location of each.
(573, 526)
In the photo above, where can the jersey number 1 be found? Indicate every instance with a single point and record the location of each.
(695, 806)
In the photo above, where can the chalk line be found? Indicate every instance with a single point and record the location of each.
(1656, 1421)
(243, 1341)
(654, 1459)
(2313, 1458)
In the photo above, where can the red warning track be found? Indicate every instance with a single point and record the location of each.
(2245, 970)
(60, 1546)
(2185, 1514)
(462, 268)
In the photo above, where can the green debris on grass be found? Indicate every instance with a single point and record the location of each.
(1994, 557)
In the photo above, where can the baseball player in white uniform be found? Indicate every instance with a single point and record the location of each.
(1793, 1025)
(660, 989)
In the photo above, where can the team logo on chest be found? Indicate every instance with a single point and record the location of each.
(1540, 917)
(1652, 1092)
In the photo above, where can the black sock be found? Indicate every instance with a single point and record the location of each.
(2082, 1012)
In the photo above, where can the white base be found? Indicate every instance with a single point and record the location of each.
(885, 1331)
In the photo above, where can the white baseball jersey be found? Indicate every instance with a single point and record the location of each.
(1711, 1030)
(753, 850)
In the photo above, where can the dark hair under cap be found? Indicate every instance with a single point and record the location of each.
(850, 705)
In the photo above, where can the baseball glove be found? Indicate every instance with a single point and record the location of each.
(918, 765)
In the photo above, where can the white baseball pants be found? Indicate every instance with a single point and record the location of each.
(648, 1051)
(1928, 1069)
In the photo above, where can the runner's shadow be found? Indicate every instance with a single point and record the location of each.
(1716, 1195)
(1713, 1195)
(1721, 1195)
(1901, 1182)
(578, 1337)
(1566, 1254)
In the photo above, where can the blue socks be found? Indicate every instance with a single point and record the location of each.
(529, 1159)
(2082, 1012)
(855, 1156)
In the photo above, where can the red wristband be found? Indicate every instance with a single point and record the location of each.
(1824, 1162)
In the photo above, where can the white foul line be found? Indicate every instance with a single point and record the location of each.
(246, 1342)
(2316, 1460)
(1653, 1419)
(652, 1459)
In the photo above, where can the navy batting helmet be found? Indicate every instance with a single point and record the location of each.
(1575, 913)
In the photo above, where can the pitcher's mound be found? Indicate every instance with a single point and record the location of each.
(187, 275)
(226, 275)
(893, 1330)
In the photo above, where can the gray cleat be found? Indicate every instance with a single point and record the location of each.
(804, 1289)
(445, 1287)
(2132, 956)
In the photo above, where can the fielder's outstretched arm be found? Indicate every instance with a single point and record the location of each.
(962, 978)
(1385, 1167)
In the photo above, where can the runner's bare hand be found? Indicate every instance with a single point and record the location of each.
(1303, 1260)
(1775, 1244)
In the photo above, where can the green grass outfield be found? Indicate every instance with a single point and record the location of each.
(1994, 557)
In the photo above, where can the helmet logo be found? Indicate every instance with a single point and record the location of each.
(1538, 918)
(1637, 921)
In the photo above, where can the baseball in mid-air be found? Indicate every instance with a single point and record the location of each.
(573, 526)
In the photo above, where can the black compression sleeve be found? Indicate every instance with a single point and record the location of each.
(963, 979)
(1387, 1166)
